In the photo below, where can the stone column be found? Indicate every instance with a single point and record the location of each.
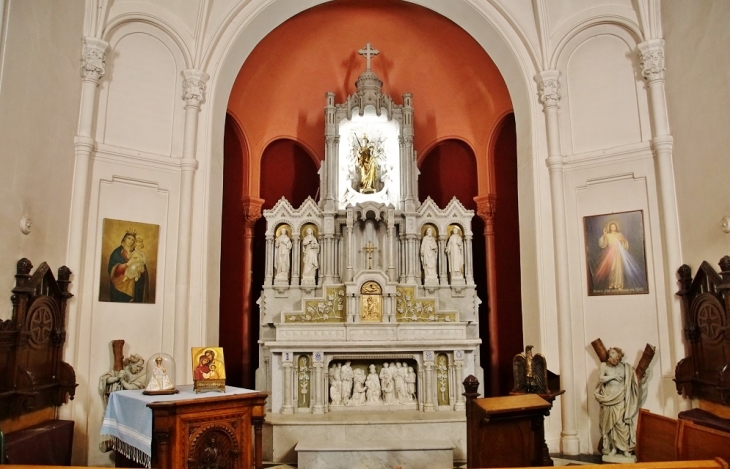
(317, 392)
(651, 55)
(402, 258)
(269, 278)
(251, 211)
(391, 245)
(193, 95)
(428, 361)
(350, 274)
(549, 94)
(443, 274)
(93, 65)
(328, 176)
(458, 378)
(288, 365)
(486, 208)
(296, 257)
(469, 258)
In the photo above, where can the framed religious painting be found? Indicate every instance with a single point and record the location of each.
(209, 370)
(128, 261)
(615, 254)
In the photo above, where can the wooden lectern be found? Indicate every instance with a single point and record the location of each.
(505, 431)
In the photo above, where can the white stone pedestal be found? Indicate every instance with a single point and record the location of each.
(419, 454)
(406, 428)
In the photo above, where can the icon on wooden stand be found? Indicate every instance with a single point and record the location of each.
(209, 372)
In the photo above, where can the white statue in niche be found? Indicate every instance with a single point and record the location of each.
(310, 262)
(347, 376)
(335, 385)
(410, 384)
(429, 255)
(359, 388)
(399, 376)
(373, 385)
(283, 249)
(455, 251)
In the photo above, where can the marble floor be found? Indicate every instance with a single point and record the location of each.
(558, 460)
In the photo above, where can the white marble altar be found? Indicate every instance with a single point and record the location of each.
(369, 301)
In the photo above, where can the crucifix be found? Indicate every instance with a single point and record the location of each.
(368, 52)
(369, 248)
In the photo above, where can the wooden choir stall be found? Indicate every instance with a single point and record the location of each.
(34, 380)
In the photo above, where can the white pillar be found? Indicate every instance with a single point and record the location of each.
(651, 53)
(193, 94)
(287, 407)
(458, 380)
(549, 89)
(93, 56)
(318, 391)
(428, 362)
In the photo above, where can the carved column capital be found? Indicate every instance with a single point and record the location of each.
(251, 210)
(486, 208)
(93, 56)
(651, 56)
(548, 87)
(194, 87)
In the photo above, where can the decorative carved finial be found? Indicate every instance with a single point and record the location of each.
(24, 266)
(725, 263)
(368, 52)
(471, 384)
(64, 273)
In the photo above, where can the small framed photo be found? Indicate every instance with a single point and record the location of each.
(209, 369)
(615, 254)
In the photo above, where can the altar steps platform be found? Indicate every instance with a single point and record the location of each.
(337, 436)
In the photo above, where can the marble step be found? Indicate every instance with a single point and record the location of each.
(376, 454)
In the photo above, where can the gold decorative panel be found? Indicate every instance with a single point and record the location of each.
(410, 309)
(330, 309)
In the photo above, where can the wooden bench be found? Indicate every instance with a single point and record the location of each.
(661, 438)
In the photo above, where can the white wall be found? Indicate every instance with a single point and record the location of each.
(40, 51)
(698, 96)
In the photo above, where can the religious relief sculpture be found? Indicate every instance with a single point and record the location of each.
(395, 384)
(283, 250)
(310, 257)
(429, 256)
(621, 391)
(367, 165)
(455, 253)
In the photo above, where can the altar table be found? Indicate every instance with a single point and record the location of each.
(187, 429)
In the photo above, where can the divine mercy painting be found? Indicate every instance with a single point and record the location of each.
(615, 256)
(128, 261)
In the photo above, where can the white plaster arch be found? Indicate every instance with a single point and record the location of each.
(587, 20)
(623, 32)
(165, 27)
(517, 64)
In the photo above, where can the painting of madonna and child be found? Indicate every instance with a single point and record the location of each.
(615, 254)
(128, 261)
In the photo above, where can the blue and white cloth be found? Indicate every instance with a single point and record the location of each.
(127, 422)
